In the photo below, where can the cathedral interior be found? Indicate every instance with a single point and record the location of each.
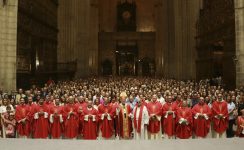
(66, 39)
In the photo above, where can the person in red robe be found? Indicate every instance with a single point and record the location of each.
(56, 120)
(240, 125)
(71, 123)
(31, 108)
(22, 119)
(169, 114)
(184, 122)
(90, 121)
(155, 111)
(41, 124)
(220, 116)
(80, 106)
(124, 113)
(201, 119)
(105, 113)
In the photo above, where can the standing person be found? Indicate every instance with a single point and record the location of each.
(8, 123)
(240, 124)
(231, 108)
(19, 96)
(124, 113)
(184, 122)
(23, 121)
(140, 121)
(31, 108)
(201, 119)
(169, 115)
(220, 116)
(71, 118)
(155, 110)
(90, 122)
(105, 113)
(56, 120)
(41, 124)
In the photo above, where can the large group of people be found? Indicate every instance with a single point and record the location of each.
(123, 108)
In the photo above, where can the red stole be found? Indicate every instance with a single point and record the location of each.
(137, 124)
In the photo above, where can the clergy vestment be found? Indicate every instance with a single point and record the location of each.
(140, 121)
(169, 115)
(90, 122)
(184, 123)
(71, 121)
(201, 120)
(220, 123)
(41, 124)
(23, 121)
(240, 126)
(154, 109)
(56, 121)
(124, 113)
(105, 122)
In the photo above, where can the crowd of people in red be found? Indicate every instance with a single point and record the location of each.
(123, 108)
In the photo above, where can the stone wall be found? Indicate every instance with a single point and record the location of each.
(78, 34)
(239, 22)
(8, 42)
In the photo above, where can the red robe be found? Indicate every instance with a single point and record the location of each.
(201, 125)
(31, 116)
(169, 119)
(80, 107)
(56, 121)
(41, 124)
(23, 129)
(125, 122)
(220, 125)
(90, 124)
(184, 131)
(154, 124)
(106, 123)
(240, 123)
(71, 123)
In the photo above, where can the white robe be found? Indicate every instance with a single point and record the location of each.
(145, 120)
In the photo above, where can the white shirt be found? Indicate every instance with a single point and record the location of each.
(231, 106)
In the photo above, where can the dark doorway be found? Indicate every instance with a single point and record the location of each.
(148, 67)
(126, 60)
(107, 68)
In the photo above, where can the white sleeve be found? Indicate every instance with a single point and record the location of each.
(45, 115)
(146, 115)
(109, 117)
(102, 117)
(93, 118)
(61, 118)
(181, 120)
(86, 117)
(36, 116)
(206, 116)
(196, 116)
(51, 118)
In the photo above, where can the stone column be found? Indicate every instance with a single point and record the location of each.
(8, 42)
(239, 19)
